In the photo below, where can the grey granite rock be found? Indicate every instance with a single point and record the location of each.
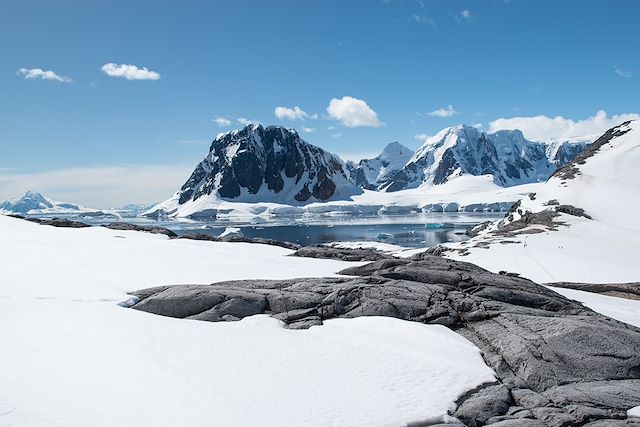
(558, 362)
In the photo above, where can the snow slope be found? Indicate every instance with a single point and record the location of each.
(605, 248)
(72, 356)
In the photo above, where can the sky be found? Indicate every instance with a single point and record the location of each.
(105, 103)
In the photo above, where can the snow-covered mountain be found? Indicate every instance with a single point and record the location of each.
(580, 226)
(506, 155)
(370, 173)
(33, 203)
(264, 164)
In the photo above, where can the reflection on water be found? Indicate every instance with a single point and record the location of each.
(419, 230)
(415, 230)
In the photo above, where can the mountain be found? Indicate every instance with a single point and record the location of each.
(370, 173)
(266, 164)
(34, 203)
(506, 155)
(579, 226)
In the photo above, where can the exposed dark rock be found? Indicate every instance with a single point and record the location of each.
(477, 229)
(341, 254)
(241, 239)
(558, 362)
(58, 222)
(572, 210)
(622, 290)
(125, 226)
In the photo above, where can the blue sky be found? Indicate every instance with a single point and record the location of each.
(473, 62)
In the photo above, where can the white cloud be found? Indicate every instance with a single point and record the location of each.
(246, 122)
(353, 112)
(466, 14)
(221, 121)
(295, 113)
(308, 130)
(558, 128)
(129, 72)
(38, 73)
(99, 187)
(622, 73)
(443, 112)
(422, 137)
(336, 135)
(477, 125)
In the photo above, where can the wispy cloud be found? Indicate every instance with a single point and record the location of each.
(449, 111)
(295, 113)
(622, 73)
(38, 73)
(558, 128)
(353, 112)
(308, 130)
(221, 121)
(336, 135)
(421, 18)
(466, 14)
(129, 72)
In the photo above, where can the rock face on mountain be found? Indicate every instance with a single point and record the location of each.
(557, 362)
(258, 164)
(33, 202)
(370, 173)
(506, 155)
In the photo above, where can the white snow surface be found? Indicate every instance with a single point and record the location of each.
(604, 249)
(634, 412)
(466, 193)
(72, 356)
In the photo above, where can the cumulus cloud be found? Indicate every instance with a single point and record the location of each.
(99, 187)
(622, 73)
(466, 14)
(558, 128)
(308, 130)
(443, 112)
(38, 73)
(353, 112)
(246, 122)
(129, 72)
(295, 113)
(422, 137)
(221, 121)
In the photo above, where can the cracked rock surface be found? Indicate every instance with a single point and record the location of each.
(558, 362)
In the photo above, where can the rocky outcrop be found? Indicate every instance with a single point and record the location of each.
(258, 164)
(558, 362)
(125, 226)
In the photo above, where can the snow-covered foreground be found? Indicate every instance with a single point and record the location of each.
(71, 356)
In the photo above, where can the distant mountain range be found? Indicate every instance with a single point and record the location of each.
(274, 164)
(506, 155)
(34, 203)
